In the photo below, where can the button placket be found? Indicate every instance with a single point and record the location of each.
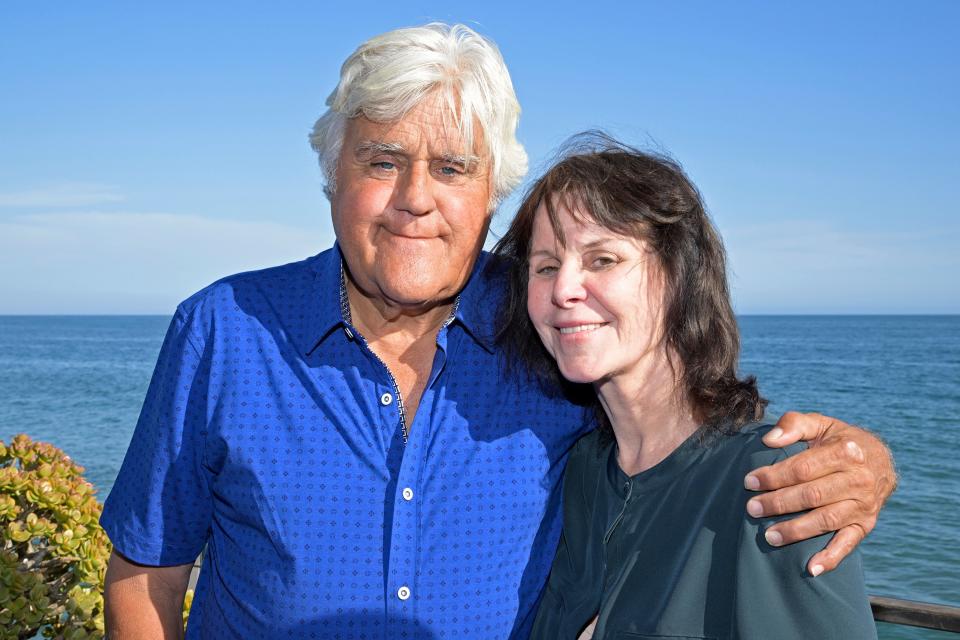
(404, 536)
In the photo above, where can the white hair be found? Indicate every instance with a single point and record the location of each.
(390, 74)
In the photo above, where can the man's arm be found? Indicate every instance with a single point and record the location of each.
(144, 602)
(844, 477)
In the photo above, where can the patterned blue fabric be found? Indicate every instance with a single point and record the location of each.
(270, 433)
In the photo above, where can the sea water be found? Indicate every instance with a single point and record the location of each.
(78, 382)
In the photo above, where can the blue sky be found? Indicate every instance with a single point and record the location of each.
(148, 150)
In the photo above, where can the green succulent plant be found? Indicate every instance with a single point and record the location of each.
(53, 553)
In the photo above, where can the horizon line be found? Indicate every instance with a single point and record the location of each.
(778, 314)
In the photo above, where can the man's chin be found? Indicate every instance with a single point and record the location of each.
(418, 284)
(418, 299)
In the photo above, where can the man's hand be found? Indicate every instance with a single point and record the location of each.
(144, 602)
(845, 477)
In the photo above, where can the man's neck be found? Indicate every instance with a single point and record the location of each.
(403, 338)
(380, 320)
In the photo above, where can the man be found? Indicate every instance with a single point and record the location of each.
(341, 433)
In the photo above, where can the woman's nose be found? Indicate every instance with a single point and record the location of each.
(568, 287)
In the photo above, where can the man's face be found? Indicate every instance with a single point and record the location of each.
(410, 208)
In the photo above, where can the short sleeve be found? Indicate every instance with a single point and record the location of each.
(159, 510)
(776, 597)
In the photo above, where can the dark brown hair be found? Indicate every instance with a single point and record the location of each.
(646, 195)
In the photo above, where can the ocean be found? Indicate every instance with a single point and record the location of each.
(78, 382)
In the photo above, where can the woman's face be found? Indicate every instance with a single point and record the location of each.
(597, 301)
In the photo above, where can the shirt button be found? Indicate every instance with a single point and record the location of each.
(403, 593)
(407, 494)
(386, 399)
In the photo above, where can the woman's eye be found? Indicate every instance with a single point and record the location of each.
(602, 262)
(545, 270)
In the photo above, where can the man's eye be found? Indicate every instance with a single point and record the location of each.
(385, 165)
(450, 170)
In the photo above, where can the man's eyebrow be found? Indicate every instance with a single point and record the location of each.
(369, 148)
(460, 159)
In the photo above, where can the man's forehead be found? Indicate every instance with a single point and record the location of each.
(421, 129)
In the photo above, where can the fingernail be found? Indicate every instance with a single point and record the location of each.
(754, 508)
(752, 483)
(816, 570)
(774, 539)
(775, 433)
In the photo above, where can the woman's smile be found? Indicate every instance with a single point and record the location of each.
(580, 328)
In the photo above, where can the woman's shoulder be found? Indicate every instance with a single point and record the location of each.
(589, 455)
(747, 443)
(592, 447)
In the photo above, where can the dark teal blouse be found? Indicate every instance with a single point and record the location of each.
(672, 553)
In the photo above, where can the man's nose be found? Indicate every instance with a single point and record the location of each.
(568, 286)
(414, 190)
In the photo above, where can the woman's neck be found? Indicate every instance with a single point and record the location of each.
(649, 411)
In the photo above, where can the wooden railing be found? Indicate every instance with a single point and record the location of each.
(916, 614)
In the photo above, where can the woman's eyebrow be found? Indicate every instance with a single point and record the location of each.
(542, 252)
(599, 242)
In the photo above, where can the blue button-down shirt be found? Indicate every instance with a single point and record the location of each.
(271, 434)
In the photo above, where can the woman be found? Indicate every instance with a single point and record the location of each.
(624, 279)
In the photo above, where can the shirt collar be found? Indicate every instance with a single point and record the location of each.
(326, 314)
(476, 311)
(474, 308)
(689, 451)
